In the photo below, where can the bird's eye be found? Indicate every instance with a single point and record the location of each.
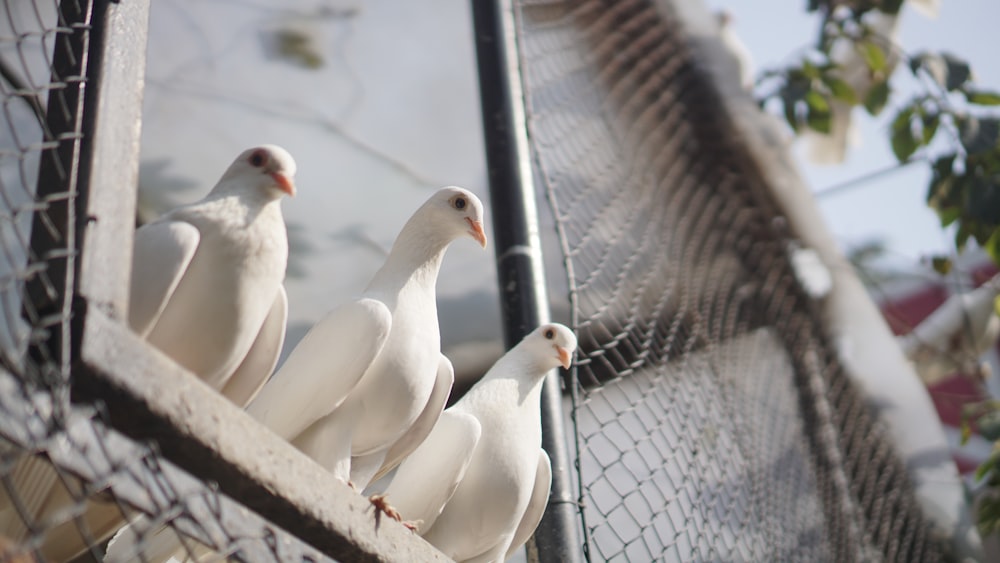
(258, 158)
(550, 334)
(459, 203)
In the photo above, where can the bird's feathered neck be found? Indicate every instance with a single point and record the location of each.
(416, 255)
(258, 195)
(520, 366)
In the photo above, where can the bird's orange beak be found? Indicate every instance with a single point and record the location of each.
(285, 183)
(476, 231)
(565, 358)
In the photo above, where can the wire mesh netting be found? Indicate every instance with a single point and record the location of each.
(713, 420)
(67, 479)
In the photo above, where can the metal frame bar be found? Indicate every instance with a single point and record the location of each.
(518, 249)
(49, 291)
(149, 397)
(111, 163)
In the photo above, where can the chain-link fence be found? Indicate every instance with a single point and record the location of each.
(712, 419)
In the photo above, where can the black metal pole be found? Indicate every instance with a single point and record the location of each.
(519, 265)
(48, 290)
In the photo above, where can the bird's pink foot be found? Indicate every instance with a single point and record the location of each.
(381, 504)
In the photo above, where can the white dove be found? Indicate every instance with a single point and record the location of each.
(476, 488)
(207, 277)
(369, 380)
(206, 289)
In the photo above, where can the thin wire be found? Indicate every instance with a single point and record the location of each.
(865, 178)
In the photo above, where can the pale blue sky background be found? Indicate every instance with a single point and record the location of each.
(890, 206)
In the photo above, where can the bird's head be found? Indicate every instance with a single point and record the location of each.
(268, 167)
(459, 211)
(553, 344)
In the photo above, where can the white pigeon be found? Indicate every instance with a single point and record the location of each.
(476, 488)
(369, 379)
(207, 277)
(206, 289)
(954, 337)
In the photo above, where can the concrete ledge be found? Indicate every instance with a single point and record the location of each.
(149, 397)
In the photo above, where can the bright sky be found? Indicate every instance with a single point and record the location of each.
(891, 207)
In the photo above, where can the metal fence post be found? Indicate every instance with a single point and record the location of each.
(48, 291)
(518, 250)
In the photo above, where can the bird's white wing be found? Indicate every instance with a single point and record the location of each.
(425, 422)
(536, 505)
(323, 369)
(260, 360)
(427, 479)
(161, 253)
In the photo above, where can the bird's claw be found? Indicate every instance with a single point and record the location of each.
(382, 505)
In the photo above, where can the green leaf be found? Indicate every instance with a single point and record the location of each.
(989, 425)
(840, 89)
(874, 55)
(877, 97)
(944, 166)
(930, 123)
(983, 98)
(810, 70)
(996, 304)
(992, 247)
(817, 102)
(791, 94)
(904, 143)
(966, 433)
(941, 264)
(790, 116)
(988, 516)
(982, 204)
(940, 190)
(891, 6)
(962, 237)
(978, 134)
(818, 120)
(949, 215)
(988, 465)
(958, 71)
